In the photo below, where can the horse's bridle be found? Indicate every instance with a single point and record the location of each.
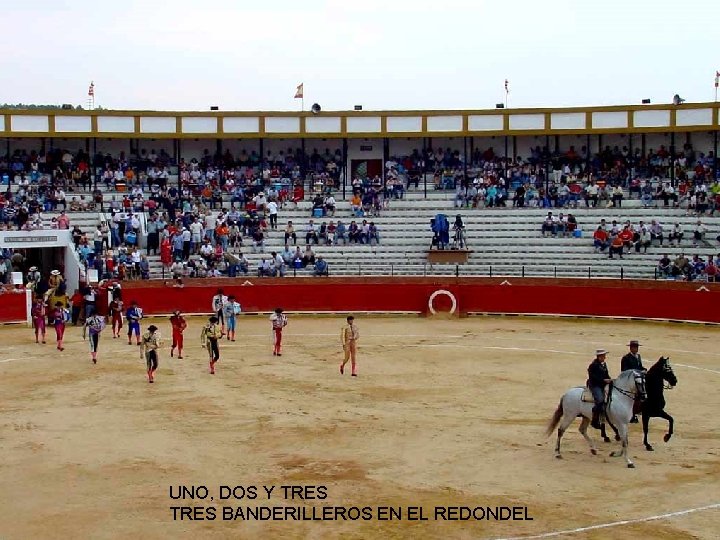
(639, 377)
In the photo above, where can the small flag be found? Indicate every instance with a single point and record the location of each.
(299, 91)
(507, 90)
(91, 90)
(717, 79)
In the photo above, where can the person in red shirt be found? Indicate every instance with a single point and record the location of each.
(178, 323)
(57, 319)
(626, 235)
(278, 320)
(616, 246)
(39, 313)
(166, 252)
(600, 239)
(711, 271)
(77, 304)
(115, 311)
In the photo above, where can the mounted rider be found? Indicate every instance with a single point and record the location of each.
(598, 377)
(632, 360)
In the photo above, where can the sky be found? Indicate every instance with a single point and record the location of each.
(381, 54)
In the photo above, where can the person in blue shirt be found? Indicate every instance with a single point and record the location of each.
(321, 267)
(133, 315)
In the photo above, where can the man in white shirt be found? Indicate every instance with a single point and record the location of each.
(272, 208)
(311, 233)
(210, 225)
(699, 233)
(196, 234)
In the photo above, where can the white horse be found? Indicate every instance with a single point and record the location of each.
(629, 386)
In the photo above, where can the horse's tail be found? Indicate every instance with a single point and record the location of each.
(555, 420)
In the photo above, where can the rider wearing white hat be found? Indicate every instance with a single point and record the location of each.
(598, 377)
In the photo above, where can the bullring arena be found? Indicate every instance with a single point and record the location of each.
(445, 412)
(463, 353)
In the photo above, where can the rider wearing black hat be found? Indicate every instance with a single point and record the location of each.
(632, 360)
(598, 377)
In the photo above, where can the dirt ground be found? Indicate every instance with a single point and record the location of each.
(444, 413)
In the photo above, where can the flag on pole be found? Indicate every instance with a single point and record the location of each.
(507, 89)
(717, 79)
(299, 91)
(91, 90)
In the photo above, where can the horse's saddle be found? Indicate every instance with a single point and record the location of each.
(587, 396)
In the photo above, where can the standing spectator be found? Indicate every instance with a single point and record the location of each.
(272, 208)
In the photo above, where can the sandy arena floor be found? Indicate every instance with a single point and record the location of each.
(444, 413)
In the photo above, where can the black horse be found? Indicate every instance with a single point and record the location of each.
(654, 405)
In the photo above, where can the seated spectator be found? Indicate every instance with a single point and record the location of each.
(341, 233)
(263, 269)
(665, 265)
(656, 232)
(356, 205)
(600, 239)
(549, 226)
(330, 233)
(287, 255)
(373, 234)
(617, 196)
(311, 233)
(308, 258)
(330, 205)
(697, 268)
(258, 240)
(616, 246)
(642, 240)
(667, 193)
(711, 270)
(354, 233)
(626, 236)
(571, 224)
(676, 235)
(699, 231)
(322, 233)
(290, 233)
(646, 195)
(321, 267)
(681, 267)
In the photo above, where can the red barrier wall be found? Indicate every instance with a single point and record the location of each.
(12, 307)
(643, 299)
